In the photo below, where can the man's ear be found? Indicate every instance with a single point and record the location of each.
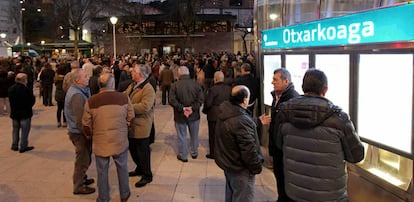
(325, 89)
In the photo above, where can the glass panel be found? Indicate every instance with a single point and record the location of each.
(269, 14)
(388, 166)
(380, 76)
(336, 68)
(332, 8)
(298, 11)
(270, 64)
(297, 65)
(392, 2)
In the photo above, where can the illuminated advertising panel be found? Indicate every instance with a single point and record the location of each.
(375, 26)
(297, 65)
(336, 68)
(385, 99)
(270, 64)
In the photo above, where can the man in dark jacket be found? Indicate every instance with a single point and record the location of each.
(283, 91)
(186, 98)
(237, 149)
(317, 138)
(21, 102)
(251, 82)
(217, 94)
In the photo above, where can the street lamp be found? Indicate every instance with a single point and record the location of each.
(43, 47)
(113, 21)
(2, 36)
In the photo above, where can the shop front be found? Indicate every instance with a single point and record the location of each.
(368, 58)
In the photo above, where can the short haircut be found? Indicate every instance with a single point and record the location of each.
(246, 67)
(74, 65)
(183, 70)
(142, 69)
(238, 94)
(219, 76)
(106, 80)
(76, 74)
(284, 73)
(314, 81)
(97, 70)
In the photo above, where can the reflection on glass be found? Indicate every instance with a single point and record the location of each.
(270, 64)
(332, 8)
(297, 65)
(336, 68)
(300, 11)
(269, 14)
(383, 79)
(388, 166)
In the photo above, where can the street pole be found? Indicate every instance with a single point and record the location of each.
(114, 20)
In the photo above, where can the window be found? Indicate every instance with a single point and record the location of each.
(235, 2)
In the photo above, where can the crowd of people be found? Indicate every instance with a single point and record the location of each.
(93, 91)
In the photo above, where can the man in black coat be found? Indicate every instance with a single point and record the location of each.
(237, 149)
(217, 94)
(283, 91)
(21, 102)
(251, 82)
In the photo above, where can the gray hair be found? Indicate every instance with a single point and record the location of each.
(142, 69)
(106, 80)
(284, 73)
(218, 76)
(183, 70)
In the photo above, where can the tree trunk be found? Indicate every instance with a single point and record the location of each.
(76, 44)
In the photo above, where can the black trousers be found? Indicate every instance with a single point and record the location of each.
(141, 155)
(165, 94)
(211, 136)
(280, 176)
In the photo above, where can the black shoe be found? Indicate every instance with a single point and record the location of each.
(26, 149)
(183, 160)
(85, 190)
(135, 173)
(126, 198)
(209, 156)
(15, 148)
(88, 181)
(143, 182)
(194, 156)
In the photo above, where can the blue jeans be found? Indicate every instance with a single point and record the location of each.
(24, 125)
(181, 129)
(239, 186)
(102, 166)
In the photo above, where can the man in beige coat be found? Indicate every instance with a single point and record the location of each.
(106, 118)
(142, 97)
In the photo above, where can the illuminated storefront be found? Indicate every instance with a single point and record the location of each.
(368, 58)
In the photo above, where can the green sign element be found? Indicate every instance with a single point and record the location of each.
(375, 26)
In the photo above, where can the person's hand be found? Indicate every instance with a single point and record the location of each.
(264, 119)
(188, 111)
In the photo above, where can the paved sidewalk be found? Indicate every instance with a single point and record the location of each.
(45, 173)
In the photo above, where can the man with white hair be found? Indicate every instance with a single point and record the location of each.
(186, 98)
(142, 97)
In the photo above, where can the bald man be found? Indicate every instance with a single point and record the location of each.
(21, 102)
(237, 149)
(217, 94)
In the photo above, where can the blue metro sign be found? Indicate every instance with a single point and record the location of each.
(375, 26)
